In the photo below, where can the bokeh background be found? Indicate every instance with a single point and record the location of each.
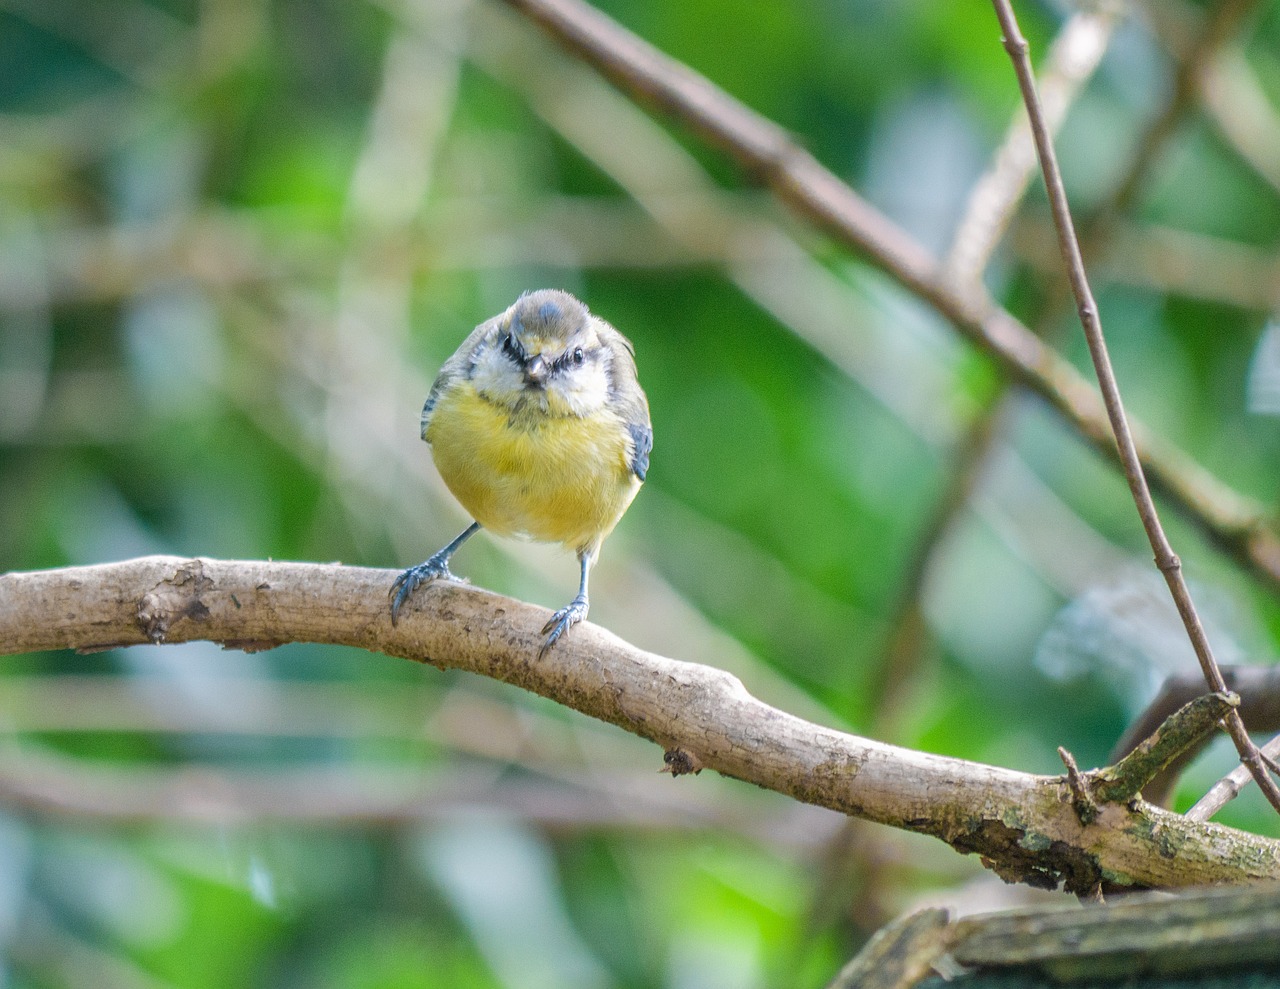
(238, 238)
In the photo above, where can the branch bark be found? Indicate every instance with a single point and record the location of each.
(1024, 826)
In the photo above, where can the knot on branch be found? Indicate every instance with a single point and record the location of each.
(1016, 45)
(1167, 562)
(173, 599)
(680, 762)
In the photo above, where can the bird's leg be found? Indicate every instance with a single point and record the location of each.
(437, 566)
(574, 611)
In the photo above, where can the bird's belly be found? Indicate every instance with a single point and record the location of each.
(563, 480)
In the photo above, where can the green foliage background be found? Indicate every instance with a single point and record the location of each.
(238, 238)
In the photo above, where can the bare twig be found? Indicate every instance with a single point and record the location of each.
(1194, 56)
(1229, 787)
(1082, 799)
(994, 199)
(1166, 560)
(1240, 107)
(1022, 825)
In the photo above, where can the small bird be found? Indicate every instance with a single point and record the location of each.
(539, 427)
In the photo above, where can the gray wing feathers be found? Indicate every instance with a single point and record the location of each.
(630, 402)
(457, 366)
(642, 436)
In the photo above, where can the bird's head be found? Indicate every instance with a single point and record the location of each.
(545, 354)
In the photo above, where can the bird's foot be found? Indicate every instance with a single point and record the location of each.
(562, 621)
(435, 568)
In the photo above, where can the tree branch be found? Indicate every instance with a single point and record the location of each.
(1235, 523)
(1259, 690)
(1022, 825)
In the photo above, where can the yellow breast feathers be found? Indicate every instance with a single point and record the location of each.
(556, 479)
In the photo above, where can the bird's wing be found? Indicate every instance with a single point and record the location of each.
(642, 436)
(629, 399)
(458, 367)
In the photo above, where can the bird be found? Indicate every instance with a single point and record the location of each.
(539, 427)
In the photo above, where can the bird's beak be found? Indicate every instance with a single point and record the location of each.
(535, 370)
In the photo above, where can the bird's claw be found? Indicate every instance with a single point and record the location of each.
(413, 578)
(563, 620)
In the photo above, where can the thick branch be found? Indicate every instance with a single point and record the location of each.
(1024, 826)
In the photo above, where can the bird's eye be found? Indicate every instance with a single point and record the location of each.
(577, 355)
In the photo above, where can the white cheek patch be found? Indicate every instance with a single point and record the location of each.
(497, 379)
(580, 391)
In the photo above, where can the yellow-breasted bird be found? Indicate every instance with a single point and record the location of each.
(539, 427)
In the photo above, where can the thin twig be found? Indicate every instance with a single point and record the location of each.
(994, 199)
(1229, 787)
(1166, 560)
(992, 204)
(1194, 59)
(1082, 799)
